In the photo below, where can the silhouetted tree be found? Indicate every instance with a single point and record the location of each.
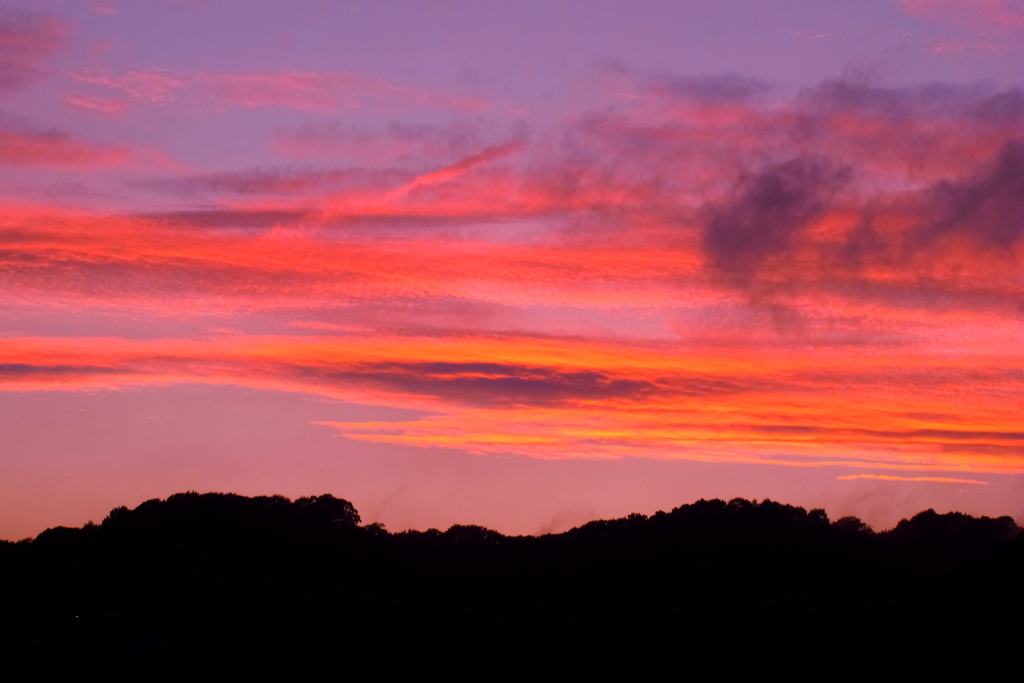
(213, 581)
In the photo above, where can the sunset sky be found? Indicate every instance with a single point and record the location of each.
(514, 264)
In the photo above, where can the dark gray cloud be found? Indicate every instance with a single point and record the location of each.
(767, 212)
(498, 384)
(977, 104)
(841, 148)
(485, 383)
(987, 208)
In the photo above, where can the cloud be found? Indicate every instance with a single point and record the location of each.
(767, 213)
(206, 219)
(26, 370)
(104, 8)
(491, 384)
(26, 40)
(945, 434)
(1005, 15)
(705, 271)
(849, 178)
(559, 397)
(890, 477)
(96, 104)
(987, 209)
(304, 91)
(22, 145)
(718, 88)
(820, 181)
(316, 91)
(396, 143)
(459, 168)
(148, 86)
(286, 181)
(299, 90)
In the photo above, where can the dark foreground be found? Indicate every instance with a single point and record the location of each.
(218, 583)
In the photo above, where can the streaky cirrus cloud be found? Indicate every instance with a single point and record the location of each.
(396, 143)
(22, 144)
(983, 14)
(890, 477)
(96, 104)
(282, 181)
(698, 270)
(151, 86)
(454, 171)
(300, 90)
(26, 40)
(558, 398)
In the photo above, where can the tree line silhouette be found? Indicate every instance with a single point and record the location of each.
(226, 583)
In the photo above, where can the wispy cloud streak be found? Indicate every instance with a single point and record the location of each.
(986, 14)
(889, 477)
(568, 399)
(24, 145)
(699, 270)
(26, 40)
(299, 90)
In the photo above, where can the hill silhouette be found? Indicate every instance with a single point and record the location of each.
(226, 583)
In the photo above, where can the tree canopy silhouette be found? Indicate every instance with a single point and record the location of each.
(222, 582)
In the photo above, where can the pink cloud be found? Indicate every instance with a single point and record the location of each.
(951, 47)
(891, 477)
(557, 398)
(315, 91)
(810, 36)
(26, 147)
(97, 104)
(457, 169)
(1005, 15)
(150, 86)
(830, 280)
(309, 91)
(281, 181)
(305, 91)
(26, 40)
(397, 143)
(958, 46)
(104, 8)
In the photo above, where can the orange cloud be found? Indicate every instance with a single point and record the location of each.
(564, 398)
(835, 280)
(889, 477)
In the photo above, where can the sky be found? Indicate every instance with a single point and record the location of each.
(520, 264)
